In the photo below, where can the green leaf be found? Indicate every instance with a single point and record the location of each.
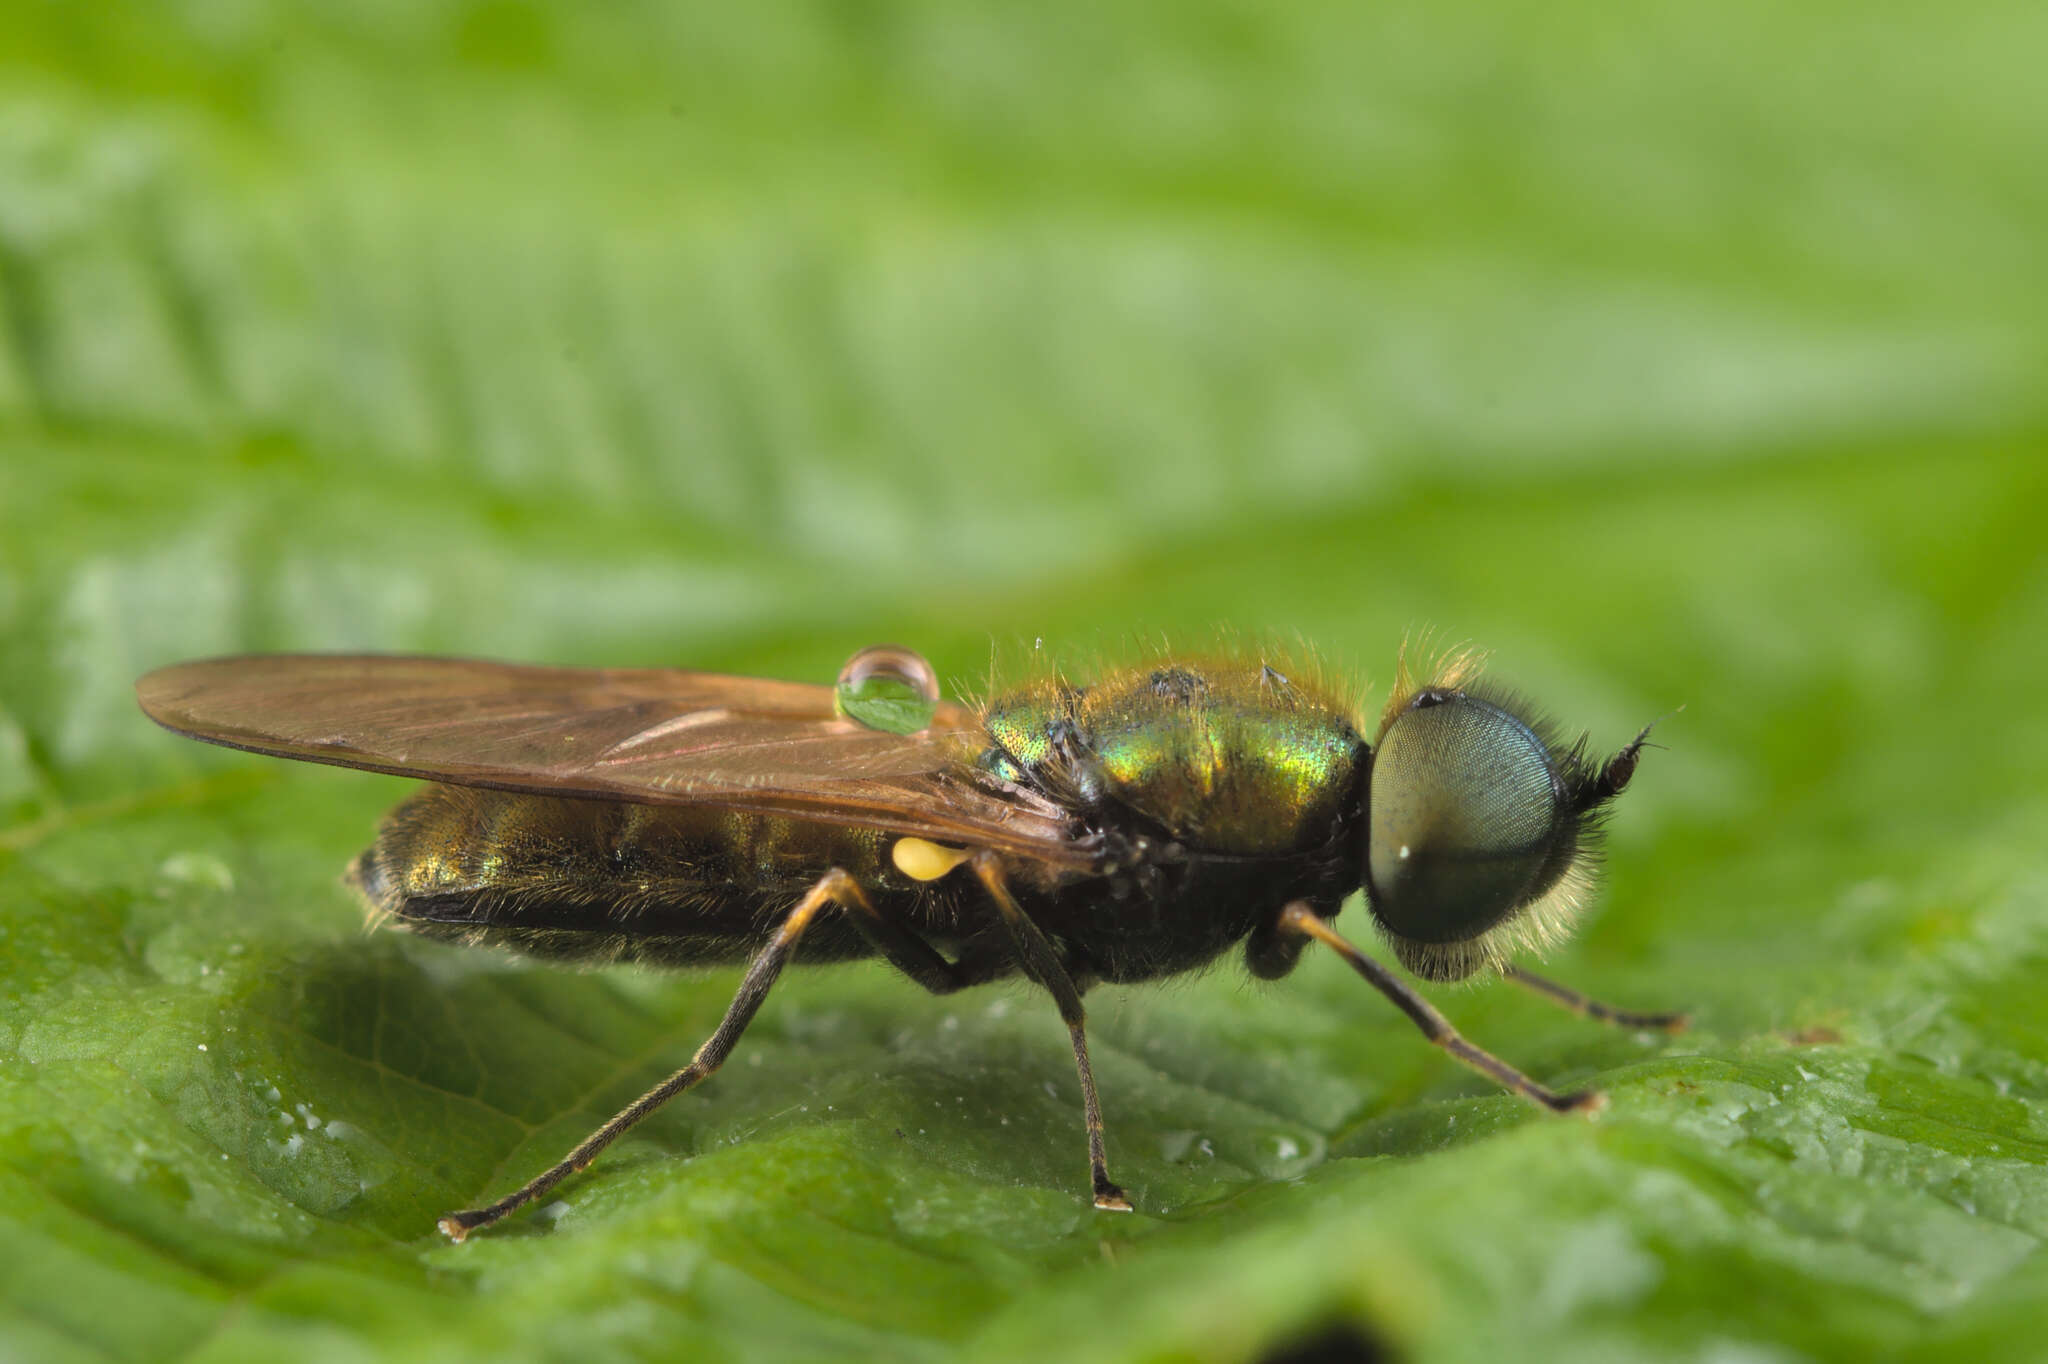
(1682, 358)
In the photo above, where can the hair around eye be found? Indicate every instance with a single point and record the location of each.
(1533, 929)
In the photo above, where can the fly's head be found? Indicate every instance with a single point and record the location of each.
(1482, 836)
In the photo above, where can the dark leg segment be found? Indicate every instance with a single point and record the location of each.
(1042, 964)
(903, 949)
(835, 887)
(1299, 918)
(1593, 1008)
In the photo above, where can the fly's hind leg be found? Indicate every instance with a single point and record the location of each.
(907, 952)
(1297, 918)
(1042, 964)
(835, 887)
(1579, 1004)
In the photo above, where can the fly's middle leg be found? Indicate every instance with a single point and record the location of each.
(1042, 964)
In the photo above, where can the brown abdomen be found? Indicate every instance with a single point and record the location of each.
(600, 881)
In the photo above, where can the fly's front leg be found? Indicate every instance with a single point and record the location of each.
(1299, 919)
(1592, 1008)
(835, 887)
(1042, 964)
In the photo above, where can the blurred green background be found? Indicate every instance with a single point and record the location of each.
(1681, 355)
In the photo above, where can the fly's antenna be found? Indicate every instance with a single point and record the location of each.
(1616, 771)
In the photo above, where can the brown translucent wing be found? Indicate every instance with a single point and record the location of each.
(650, 736)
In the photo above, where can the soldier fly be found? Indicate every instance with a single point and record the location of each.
(1125, 830)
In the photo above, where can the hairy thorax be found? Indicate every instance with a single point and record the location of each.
(1234, 759)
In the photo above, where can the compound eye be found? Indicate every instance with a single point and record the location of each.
(1468, 816)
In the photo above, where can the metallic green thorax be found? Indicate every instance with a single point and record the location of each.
(1232, 759)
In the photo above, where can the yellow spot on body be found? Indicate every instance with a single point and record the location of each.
(1404, 852)
(924, 861)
